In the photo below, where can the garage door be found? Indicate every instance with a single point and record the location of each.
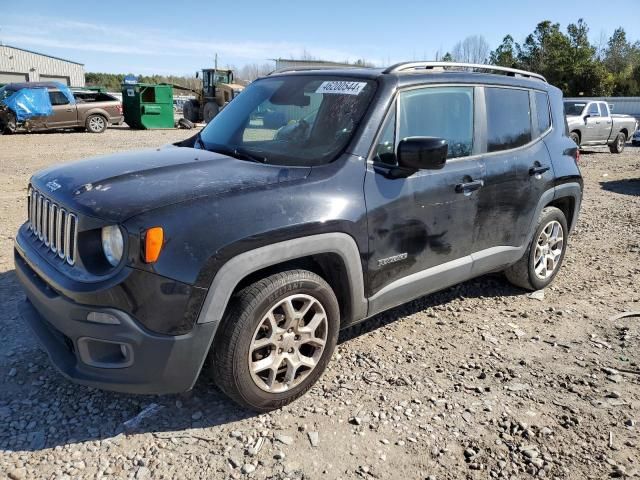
(12, 77)
(53, 78)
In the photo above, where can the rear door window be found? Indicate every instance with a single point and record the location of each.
(508, 118)
(604, 109)
(443, 112)
(58, 98)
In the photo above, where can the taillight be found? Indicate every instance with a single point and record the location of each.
(119, 107)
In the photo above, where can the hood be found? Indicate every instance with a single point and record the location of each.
(120, 186)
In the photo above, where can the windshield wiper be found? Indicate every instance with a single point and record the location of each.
(239, 153)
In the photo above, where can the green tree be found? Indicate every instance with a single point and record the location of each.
(622, 59)
(617, 53)
(548, 51)
(506, 53)
(587, 74)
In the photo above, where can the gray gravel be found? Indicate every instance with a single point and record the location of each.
(478, 381)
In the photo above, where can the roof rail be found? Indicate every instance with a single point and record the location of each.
(405, 66)
(311, 68)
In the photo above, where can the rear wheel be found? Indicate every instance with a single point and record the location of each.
(276, 339)
(211, 109)
(542, 260)
(190, 110)
(618, 145)
(96, 124)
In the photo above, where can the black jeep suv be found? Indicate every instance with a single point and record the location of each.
(314, 200)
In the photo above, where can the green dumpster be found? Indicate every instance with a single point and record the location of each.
(148, 106)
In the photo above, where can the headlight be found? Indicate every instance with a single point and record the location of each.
(112, 244)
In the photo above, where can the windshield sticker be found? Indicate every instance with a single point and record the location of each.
(341, 88)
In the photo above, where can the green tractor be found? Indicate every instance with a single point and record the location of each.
(218, 89)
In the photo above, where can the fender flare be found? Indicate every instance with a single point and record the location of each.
(570, 189)
(233, 271)
(574, 190)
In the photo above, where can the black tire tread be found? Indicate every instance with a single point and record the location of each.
(234, 324)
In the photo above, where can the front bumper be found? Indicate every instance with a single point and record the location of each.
(88, 353)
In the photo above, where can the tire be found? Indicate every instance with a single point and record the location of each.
(191, 111)
(523, 273)
(10, 125)
(575, 136)
(211, 109)
(96, 124)
(618, 145)
(185, 124)
(246, 322)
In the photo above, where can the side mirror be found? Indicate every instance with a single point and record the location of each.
(422, 153)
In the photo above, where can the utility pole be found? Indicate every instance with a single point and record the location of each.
(215, 68)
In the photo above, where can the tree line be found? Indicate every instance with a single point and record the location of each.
(567, 59)
(572, 63)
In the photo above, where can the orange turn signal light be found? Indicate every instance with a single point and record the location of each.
(153, 241)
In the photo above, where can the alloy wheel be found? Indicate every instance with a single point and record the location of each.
(288, 343)
(548, 252)
(96, 124)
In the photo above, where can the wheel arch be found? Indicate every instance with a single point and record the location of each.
(333, 256)
(96, 111)
(567, 197)
(578, 132)
(566, 205)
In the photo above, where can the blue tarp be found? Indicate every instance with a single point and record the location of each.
(67, 93)
(28, 103)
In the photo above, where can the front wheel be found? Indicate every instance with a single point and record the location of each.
(542, 260)
(575, 137)
(618, 145)
(191, 111)
(276, 339)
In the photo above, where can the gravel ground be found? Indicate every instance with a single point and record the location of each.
(478, 381)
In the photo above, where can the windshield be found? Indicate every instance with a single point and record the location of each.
(574, 108)
(294, 120)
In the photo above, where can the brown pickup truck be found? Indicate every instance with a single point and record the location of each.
(92, 111)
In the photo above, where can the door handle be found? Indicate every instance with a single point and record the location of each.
(538, 170)
(469, 187)
(69, 109)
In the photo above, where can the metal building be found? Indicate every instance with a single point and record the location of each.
(291, 63)
(20, 65)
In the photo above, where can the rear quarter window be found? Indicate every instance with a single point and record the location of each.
(542, 112)
(508, 118)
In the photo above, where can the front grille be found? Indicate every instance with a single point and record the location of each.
(53, 226)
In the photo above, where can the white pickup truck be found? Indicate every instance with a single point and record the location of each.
(591, 123)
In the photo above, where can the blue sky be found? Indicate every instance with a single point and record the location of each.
(181, 37)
